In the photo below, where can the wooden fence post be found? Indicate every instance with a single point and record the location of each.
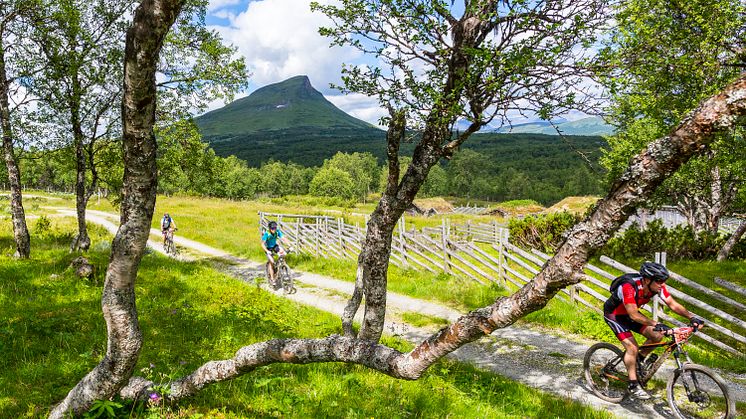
(403, 242)
(656, 299)
(298, 243)
(318, 233)
(341, 236)
(444, 241)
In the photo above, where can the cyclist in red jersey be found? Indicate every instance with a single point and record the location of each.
(621, 313)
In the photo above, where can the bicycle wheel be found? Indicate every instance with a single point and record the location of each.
(697, 392)
(272, 282)
(605, 372)
(287, 280)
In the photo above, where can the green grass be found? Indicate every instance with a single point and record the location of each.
(52, 333)
(233, 226)
(420, 320)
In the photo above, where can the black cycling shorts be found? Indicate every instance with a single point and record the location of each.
(622, 325)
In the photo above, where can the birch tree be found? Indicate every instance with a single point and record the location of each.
(442, 63)
(662, 58)
(82, 43)
(14, 22)
(151, 22)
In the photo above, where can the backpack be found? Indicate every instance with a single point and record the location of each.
(614, 300)
(166, 222)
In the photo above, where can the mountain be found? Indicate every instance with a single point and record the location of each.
(286, 118)
(587, 126)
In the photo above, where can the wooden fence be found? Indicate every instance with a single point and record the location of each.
(483, 253)
(475, 210)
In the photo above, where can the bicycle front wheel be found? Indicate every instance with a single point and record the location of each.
(605, 372)
(698, 392)
(287, 280)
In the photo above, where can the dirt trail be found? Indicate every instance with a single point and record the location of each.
(533, 357)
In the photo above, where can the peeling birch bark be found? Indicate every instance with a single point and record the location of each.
(645, 173)
(152, 20)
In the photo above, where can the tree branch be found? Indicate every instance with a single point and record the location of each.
(646, 171)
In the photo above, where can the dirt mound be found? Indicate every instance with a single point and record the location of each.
(573, 204)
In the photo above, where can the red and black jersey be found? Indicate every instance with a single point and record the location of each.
(629, 294)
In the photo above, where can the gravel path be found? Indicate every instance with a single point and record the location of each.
(533, 357)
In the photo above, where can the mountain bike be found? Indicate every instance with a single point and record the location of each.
(693, 391)
(168, 243)
(283, 277)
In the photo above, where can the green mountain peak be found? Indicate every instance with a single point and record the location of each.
(289, 104)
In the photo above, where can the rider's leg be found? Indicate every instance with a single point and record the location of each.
(630, 357)
(652, 337)
(270, 264)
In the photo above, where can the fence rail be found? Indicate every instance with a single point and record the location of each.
(482, 252)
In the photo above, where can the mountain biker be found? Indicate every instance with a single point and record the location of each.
(621, 313)
(167, 224)
(270, 245)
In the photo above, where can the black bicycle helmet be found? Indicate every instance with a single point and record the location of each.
(272, 225)
(654, 271)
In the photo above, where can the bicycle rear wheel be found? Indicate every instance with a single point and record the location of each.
(605, 372)
(698, 392)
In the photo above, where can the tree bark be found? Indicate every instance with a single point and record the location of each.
(152, 20)
(81, 240)
(373, 260)
(731, 242)
(645, 173)
(18, 215)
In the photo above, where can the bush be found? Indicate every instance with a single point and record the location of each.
(43, 227)
(680, 242)
(544, 232)
(334, 183)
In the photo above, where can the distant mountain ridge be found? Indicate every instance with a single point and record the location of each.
(593, 125)
(292, 121)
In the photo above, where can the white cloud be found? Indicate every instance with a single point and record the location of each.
(280, 39)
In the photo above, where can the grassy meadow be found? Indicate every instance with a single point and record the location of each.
(52, 333)
(233, 226)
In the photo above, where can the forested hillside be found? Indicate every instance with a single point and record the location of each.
(494, 167)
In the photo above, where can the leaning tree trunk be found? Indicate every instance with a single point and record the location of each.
(731, 242)
(151, 22)
(645, 173)
(20, 230)
(372, 269)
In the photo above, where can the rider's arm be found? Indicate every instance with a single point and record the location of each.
(173, 224)
(676, 307)
(264, 242)
(638, 317)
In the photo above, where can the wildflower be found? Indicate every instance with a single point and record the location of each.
(155, 398)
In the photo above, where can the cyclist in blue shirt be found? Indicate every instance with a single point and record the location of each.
(270, 244)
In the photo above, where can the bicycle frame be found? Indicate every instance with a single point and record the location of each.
(675, 346)
(680, 336)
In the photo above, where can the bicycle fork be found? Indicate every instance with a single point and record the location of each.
(693, 396)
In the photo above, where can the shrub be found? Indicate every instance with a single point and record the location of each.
(544, 232)
(680, 242)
